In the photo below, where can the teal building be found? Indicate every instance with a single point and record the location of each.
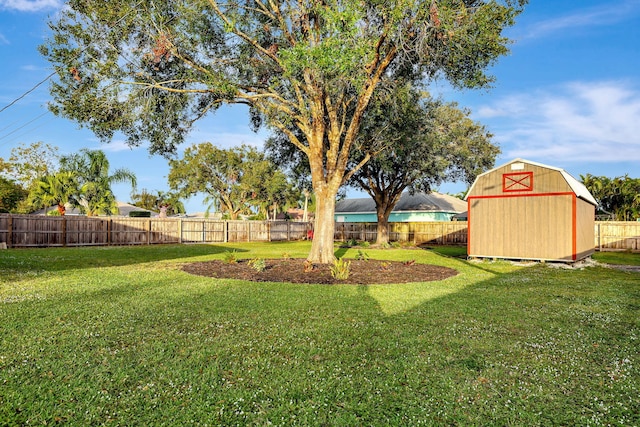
(419, 207)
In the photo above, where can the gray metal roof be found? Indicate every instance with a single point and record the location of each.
(431, 202)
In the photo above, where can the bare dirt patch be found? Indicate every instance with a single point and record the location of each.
(293, 271)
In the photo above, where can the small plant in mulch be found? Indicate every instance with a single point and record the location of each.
(231, 257)
(410, 262)
(286, 255)
(341, 269)
(350, 243)
(385, 265)
(258, 264)
(308, 266)
(362, 256)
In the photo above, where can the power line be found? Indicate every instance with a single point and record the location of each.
(27, 92)
(23, 126)
(54, 72)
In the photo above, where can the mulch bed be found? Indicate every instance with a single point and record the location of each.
(293, 271)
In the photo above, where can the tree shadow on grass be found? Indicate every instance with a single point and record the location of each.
(59, 259)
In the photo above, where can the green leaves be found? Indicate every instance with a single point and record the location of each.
(236, 179)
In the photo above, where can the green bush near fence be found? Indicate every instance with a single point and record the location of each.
(121, 336)
(140, 214)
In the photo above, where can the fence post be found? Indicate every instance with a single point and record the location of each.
(180, 230)
(64, 231)
(10, 232)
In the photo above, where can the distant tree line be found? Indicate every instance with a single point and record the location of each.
(618, 198)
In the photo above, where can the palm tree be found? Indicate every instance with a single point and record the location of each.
(58, 189)
(92, 169)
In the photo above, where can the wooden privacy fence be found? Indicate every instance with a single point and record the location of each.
(440, 232)
(43, 231)
(617, 235)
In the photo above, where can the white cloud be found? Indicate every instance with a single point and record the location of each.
(117, 146)
(30, 5)
(3, 39)
(605, 14)
(594, 122)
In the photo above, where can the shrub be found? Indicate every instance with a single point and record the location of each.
(362, 256)
(308, 266)
(341, 269)
(258, 264)
(231, 257)
(140, 214)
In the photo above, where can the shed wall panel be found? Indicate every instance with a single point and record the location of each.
(539, 227)
(585, 225)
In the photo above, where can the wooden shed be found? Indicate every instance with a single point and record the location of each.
(526, 210)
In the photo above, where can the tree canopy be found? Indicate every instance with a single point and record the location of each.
(11, 194)
(618, 198)
(151, 69)
(156, 201)
(421, 142)
(94, 179)
(235, 179)
(57, 189)
(29, 163)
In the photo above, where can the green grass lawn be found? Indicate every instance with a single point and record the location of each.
(121, 336)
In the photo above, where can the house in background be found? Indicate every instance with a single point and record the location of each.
(419, 207)
(123, 210)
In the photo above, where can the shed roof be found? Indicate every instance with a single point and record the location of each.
(576, 186)
(431, 202)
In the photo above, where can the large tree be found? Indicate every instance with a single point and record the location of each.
(158, 200)
(29, 163)
(150, 69)
(91, 170)
(11, 194)
(421, 142)
(58, 189)
(235, 179)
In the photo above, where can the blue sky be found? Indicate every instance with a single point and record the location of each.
(567, 95)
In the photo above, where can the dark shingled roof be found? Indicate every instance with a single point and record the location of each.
(432, 202)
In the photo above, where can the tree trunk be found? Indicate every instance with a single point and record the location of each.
(382, 235)
(324, 228)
